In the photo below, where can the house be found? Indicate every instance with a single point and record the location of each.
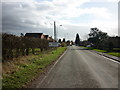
(46, 37)
(51, 39)
(36, 35)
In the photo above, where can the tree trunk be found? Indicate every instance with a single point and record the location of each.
(27, 51)
(33, 51)
(10, 53)
(17, 52)
(41, 49)
(23, 51)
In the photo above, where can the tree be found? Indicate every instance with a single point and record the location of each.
(77, 40)
(110, 46)
(68, 42)
(59, 41)
(63, 39)
(22, 35)
(97, 37)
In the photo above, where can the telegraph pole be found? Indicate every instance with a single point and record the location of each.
(55, 37)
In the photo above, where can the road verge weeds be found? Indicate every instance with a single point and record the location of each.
(27, 71)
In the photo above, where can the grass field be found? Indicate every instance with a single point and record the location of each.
(24, 72)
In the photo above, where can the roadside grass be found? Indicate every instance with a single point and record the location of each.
(27, 71)
(116, 48)
(90, 48)
(114, 54)
(104, 51)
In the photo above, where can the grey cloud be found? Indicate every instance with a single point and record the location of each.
(43, 7)
(16, 20)
(82, 30)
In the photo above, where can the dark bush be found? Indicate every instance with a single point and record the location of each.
(14, 46)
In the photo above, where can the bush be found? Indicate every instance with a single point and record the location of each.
(63, 44)
(14, 46)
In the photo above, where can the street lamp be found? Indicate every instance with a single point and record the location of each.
(55, 35)
(58, 30)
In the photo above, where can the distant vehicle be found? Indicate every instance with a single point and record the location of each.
(88, 46)
(70, 44)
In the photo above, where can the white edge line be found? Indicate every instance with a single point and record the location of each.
(51, 69)
(111, 60)
(107, 58)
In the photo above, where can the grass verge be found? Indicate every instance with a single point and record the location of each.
(114, 54)
(26, 72)
(103, 51)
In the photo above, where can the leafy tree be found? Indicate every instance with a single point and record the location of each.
(110, 46)
(97, 37)
(59, 41)
(22, 35)
(63, 39)
(68, 42)
(72, 42)
(77, 40)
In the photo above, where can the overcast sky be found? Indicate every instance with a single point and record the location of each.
(76, 16)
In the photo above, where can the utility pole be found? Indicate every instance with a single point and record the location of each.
(55, 38)
(55, 32)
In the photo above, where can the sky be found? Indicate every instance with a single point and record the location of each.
(75, 16)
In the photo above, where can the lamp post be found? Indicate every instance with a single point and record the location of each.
(55, 35)
(55, 31)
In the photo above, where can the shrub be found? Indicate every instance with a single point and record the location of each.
(14, 46)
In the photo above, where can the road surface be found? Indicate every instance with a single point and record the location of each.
(80, 68)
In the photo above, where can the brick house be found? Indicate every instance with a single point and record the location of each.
(36, 35)
(51, 39)
(46, 37)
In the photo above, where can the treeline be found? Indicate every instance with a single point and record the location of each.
(101, 40)
(15, 46)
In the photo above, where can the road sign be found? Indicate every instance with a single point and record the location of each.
(54, 44)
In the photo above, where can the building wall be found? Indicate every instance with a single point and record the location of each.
(42, 36)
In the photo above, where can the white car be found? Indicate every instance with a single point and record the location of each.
(88, 46)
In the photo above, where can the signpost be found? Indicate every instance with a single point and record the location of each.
(54, 44)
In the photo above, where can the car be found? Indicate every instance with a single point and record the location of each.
(88, 46)
(70, 44)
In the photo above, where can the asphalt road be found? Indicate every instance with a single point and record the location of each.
(80, 68)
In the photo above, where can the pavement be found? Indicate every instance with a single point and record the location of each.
(80, 68)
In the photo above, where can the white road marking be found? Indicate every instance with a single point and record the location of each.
(111, 59)
(107, 58)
